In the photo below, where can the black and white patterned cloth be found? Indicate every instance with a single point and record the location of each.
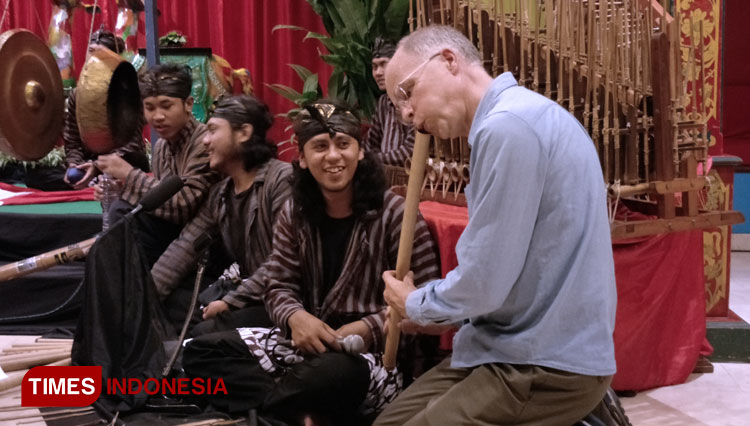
(276, 355)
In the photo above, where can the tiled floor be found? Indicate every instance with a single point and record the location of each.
(721, 398)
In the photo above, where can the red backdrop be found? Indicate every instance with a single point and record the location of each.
(238, 30)
(736, 80)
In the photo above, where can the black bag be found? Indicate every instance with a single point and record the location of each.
(122, 323)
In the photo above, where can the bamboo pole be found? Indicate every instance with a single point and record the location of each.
(503, 36)
(406, 242)
(548, 49)
(15, 378)
(496, 44)
(411, 16)
(22, 361)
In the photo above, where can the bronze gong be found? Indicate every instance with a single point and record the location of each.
(108, 102)
(31, 96)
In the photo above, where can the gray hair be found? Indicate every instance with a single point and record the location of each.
(431, 39)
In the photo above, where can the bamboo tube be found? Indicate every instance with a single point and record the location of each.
(496, 44)
(47, 341)
(411, 16)
(53, 413)
(548, 50)
(406, 242)
(535, 50)
(571, 62)
(46, 260)
(560, 59)
(22, 361)
(16, 377)
(503, 36)
(15, 351)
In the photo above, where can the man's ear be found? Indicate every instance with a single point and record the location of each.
(302, 161)
(189, 103)
(451, 60)
(361, 153)
(246, 132)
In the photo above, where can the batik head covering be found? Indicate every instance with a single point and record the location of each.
(383, 48)
(326, 117)
(171, 80)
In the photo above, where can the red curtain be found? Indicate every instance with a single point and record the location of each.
(237, 30)
(736, 80)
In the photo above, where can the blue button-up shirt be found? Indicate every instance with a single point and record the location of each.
(535, 279)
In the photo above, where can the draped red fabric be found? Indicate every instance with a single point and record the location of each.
(238, 30)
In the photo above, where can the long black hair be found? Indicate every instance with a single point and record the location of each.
(369, 186)
(245, 109)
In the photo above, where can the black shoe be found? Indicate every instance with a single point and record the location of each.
(165, 404)
(610, 411)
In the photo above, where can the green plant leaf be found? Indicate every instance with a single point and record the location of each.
(334, 83)
(337, 21)
(285, 91)
(288, 27)
(375, 9)
(311, 85)
(354, 16)
(301, 71)
(330, 43)
(396, 19)
(319, 6)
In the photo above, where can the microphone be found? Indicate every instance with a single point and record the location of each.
(351, 344)
(159, 194)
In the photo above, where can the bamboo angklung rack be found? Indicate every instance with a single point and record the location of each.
(615, 65)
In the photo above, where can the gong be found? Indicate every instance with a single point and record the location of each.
(31, 96)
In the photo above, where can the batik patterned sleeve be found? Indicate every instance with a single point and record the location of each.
(282, 292)
(179, 259)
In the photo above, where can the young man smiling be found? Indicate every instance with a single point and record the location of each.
(167, 106)
(323, 280)
(240, 210)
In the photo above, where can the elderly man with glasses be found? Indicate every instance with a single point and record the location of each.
(534, 289)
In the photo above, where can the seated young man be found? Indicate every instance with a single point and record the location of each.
(179, 151)
(240, 211)
(76, 154)
(331, 244)
(391, 140)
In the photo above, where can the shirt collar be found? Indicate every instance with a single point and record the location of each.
(489, 100)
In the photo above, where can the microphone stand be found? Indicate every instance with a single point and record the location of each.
(203, 242)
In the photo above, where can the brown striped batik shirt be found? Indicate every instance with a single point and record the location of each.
(270, 189)
(390, 140)
(295, 269)
(186, 157)
(76, 152)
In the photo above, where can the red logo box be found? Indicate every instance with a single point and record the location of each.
(61, 386)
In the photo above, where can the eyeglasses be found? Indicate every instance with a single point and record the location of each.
(402, 94)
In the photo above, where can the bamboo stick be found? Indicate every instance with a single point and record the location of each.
(560, 55)
(15, 378)
(22, 361)
(406, 242)
(548, 49)
(504, 37)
